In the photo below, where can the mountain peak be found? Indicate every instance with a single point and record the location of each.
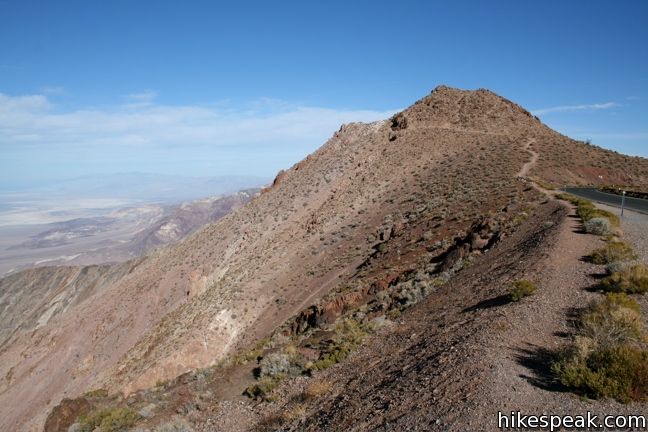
(454, 108)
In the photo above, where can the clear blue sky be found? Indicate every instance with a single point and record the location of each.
(211, 88)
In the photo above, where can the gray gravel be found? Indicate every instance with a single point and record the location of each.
(635, 230)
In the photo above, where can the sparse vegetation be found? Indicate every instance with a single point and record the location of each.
(262, 388)
(631, 279)
(316, 389)
(520, 218)
(613, 251)
(586, 210)
(614, 320)
(597, 226)
(108, 420)
(620, 372)
(543, 184)
(245, 357)
(348, 335)
(97, 393)
(608, 356)
(274, 364)
(520, 289)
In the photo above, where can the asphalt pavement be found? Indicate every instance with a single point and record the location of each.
(636, 204)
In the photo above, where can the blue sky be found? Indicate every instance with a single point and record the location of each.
(211, 88)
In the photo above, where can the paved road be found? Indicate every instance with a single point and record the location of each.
(636, 204)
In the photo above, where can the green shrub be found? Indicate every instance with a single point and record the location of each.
(630, 279)
(349, 334)
(108, 420)
(572, 199)
(622, 300)
(618, 372)
(545, 185)
(520, 289)
(520, 218)
(96, 394)
(334, 354)
(586, 210)
(613, 251)
(263, 387)
(607, 358)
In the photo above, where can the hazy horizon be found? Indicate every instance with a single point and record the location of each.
(249, 89)
(99, 194)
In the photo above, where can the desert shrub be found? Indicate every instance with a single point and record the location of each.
(520, 218)
(335, 353)
(586, 210)
(317, 389)
(613, 251)
(262, 388)
(412, 292)
(614, 219)
(630, 279)
(96, 394)
(612, 321)
(520, 289)
(349, 334)
(608, 357)
(545, 185)
(614, 267)
(617, 372)
(108, 420)
(243, 358)
(597, 226)
(274, 364)
(621, 300)
(394, 313)
(571, 198)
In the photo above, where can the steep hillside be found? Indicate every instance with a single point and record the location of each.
(31, 298)
(432, 186)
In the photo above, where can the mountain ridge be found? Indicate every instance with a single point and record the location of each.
(429, 172)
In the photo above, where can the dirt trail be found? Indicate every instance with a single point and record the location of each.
(521, 352)
(538, 323)
(531, 163)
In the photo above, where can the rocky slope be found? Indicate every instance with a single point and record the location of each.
(432, 186)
